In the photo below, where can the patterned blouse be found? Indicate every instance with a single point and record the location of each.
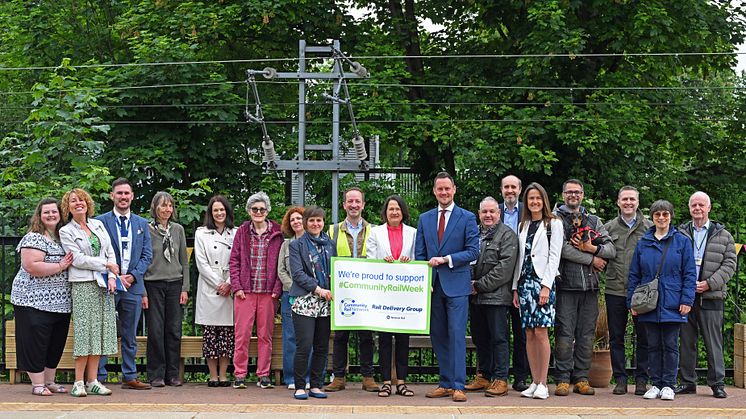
(49, 293)
(311, 305)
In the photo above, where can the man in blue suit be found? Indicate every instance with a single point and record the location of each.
(130, 238)
(448, 238)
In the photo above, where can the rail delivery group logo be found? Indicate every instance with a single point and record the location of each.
(348, 307)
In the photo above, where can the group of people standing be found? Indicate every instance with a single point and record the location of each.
(554, 275)
(521, 269)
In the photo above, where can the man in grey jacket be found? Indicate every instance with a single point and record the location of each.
(715, 258)
(491, 298)
(583, 257)
(625, 230)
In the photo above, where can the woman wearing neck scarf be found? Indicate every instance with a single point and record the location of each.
(310, 264)
(166, 286)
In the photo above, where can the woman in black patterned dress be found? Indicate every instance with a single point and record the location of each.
(540, 243)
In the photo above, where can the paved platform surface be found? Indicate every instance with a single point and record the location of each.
(196, 400)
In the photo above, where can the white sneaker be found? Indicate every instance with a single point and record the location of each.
(667, 393)
(94, 387)
(529, 392)
(653, 393)
(291, 386)
(78, 389)
(542, 392)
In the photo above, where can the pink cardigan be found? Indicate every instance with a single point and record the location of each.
(240, 262)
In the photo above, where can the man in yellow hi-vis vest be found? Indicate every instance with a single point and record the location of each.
(350, 236)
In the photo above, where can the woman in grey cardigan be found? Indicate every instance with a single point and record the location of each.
(93, 276)
(166, 287)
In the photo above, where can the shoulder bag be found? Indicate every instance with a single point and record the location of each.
(645, 297)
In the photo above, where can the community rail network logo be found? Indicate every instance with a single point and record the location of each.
(348, 307)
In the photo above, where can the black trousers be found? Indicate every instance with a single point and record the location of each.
(310, 333)
(339, 357)
(163, 318)
(617, 315)
(41, 337)
(401, 354)
(520, 359)
(489, 331)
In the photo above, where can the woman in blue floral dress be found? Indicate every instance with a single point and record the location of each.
(540, 243)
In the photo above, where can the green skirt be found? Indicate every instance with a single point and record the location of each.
(94, 320)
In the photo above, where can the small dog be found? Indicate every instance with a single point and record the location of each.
(581, 231)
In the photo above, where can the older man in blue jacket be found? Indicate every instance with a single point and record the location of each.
(448, 238)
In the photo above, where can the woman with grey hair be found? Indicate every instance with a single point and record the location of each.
(664, 253)
(256, 288)
(166, 287)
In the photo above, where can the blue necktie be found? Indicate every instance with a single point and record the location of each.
(123, 226)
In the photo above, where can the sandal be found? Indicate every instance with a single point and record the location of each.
(385, 390)
(56, 388)
(40, 391)
(402, 390)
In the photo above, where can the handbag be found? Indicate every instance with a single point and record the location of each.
(645, 296)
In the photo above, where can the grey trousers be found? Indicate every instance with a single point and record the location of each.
(708, 324)
(574, 334)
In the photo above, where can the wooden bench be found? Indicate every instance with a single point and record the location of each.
(191, 347)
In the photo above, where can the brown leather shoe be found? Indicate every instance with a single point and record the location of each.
(135, 384)
(458, 396)
(563, 389)
(478, 383)
(497, 388)
(438, 393)
(338, 384)
(369, 384)
(583, 387)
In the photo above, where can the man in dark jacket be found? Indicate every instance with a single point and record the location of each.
(583, 256)
(492, 279)
(715, 258)
(625, 231)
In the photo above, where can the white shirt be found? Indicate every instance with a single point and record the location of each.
(448, 211)
(125, 250)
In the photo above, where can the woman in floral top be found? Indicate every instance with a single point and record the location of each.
(42, 299)
(310, 265)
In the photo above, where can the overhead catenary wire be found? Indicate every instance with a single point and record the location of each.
(407, 121)
(386, 57)
(404, 85)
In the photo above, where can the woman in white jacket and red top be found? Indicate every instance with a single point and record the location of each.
(94, 321)
(393, 241)
(540, 244)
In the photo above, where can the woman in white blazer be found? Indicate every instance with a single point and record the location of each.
(94, 321)
(214, 306)
(393, 241)
(540, 244)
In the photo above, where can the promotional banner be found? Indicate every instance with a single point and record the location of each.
(371, 294)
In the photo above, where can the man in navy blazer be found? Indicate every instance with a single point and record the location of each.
(448, 238)
(510, 214)
(130, 238)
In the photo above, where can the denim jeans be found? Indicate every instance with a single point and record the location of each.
(663, 352)
(489, 331)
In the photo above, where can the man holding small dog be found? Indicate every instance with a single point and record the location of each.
(586, 249)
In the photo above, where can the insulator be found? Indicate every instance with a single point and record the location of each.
(269, 150)
(359, 143)
(358, 69)
(269, 73)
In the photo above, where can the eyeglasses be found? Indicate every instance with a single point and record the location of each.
(573, 192)
(661, 214)
(258, 210)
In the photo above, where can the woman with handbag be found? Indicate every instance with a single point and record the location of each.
(664, 255)
(540, 245)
